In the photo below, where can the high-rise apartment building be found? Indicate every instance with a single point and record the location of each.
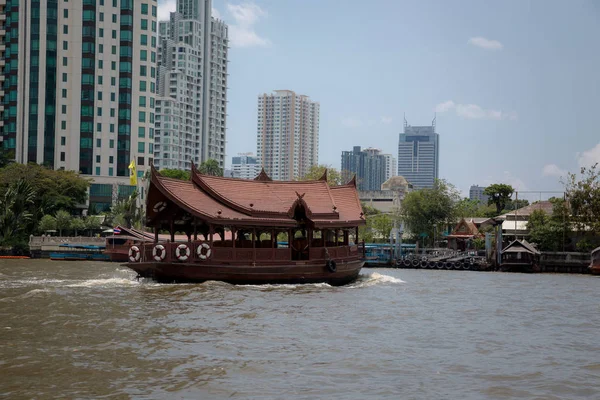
(476, 193)
(245, 166)
(390, 166)
(418, 155)
(79, 83)
(287, 134)
(192, 87)
(369, 166)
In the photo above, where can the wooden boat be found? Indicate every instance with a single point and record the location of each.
(595, 264)
(251, 231)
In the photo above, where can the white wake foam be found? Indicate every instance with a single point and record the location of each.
(109, 282)
(374, 279)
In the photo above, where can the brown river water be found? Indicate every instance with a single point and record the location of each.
(81, 330)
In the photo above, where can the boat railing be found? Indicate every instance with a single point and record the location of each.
(201, 251)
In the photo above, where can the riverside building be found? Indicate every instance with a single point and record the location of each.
(418, 155)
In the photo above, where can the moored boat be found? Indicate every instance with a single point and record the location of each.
(251, 231)
(595, 264)
(73, 252)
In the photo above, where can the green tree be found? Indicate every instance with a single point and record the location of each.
(550, 232)
(91, 223)
(499, 195)
(512, 205)
(63, 221)
(467, 208)
(126, 212)
(427, 211)
(175, 174)
(54, 189)
(583, 194)
(382, 225)
(16, 211)
(210, 167)
(77, 225)
(334, 178)
(47, 223)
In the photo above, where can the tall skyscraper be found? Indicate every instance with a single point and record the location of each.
(418, 155)
(192, 87)
(369, 166)
(79, 82)
(245, 166)
(390, 166)
(287, 134)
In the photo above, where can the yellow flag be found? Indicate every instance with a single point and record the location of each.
(132, 174)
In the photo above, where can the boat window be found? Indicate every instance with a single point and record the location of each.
(282, 240)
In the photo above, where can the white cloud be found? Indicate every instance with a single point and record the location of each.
(215, 13)
(445, 106)
(473, 111)
(486, 43)
(351, 122)
(589, 157)
(242, 33)
(165, 9)
(553, 170)
(386, 120)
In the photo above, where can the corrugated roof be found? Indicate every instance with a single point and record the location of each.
(543, 205)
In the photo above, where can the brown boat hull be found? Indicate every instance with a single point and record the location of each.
(290, 273)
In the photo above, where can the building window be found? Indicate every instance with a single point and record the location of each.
(144, 55)
(63, 125)
(142, 86)
(64, 77)
(141, 147)
(64, 93)
(63, 140)
(99, 111)
(97, 170)
(63, 109)
(144, 24)
(62, 156)
(98, 159)
(111, 160)
(141, 132)
(142, 116)
(98, 142)
(144, 9)
(140, 161)
(110, 171)
(98, 127)
(142, 101)
(142, 70)
(144, 40)
(111, 143)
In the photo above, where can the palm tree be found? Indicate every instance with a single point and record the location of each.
(210, 167)
(126, 212)
(15, 209)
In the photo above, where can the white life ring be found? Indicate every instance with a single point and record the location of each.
(203, 255)
(182, 252)
(158, 207)
(134, 254)
(159, 252)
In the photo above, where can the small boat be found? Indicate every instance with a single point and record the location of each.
(14, 257)
(251, 231)
(78, 252)
(595, 263)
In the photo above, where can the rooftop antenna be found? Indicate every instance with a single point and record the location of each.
(433, 121)
(405, 122)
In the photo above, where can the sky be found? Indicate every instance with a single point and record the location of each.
(515, 84)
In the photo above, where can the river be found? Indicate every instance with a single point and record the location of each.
(83, 330)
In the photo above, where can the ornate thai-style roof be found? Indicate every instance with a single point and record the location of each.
(465, 229)
(259, 202)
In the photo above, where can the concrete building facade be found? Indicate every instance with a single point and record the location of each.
(245, 166)
(418, 155)
(369, 166)
(476, 193)
(79, 87)
(391, 166)
(287, 134)
(191, 106)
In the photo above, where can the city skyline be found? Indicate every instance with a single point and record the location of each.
(497, 74)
